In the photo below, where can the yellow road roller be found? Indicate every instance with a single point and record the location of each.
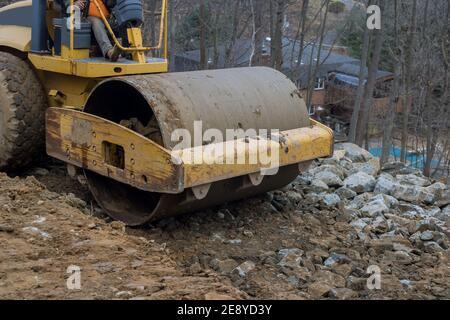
(135, 131)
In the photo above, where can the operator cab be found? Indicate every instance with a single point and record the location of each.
(62, 43)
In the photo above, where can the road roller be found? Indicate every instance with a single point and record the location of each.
(132, 130)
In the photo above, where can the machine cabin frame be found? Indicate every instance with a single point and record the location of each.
(77, 62)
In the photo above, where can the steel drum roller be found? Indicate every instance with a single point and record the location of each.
(241, 98)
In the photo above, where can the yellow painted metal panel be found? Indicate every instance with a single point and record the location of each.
(15, 37)
(294, 146)
(15, 5)
(79, 139)
(111, 150)
(94, 69)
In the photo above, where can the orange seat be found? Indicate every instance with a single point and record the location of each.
(95, 12)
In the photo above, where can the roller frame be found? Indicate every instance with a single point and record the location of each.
(79, 139)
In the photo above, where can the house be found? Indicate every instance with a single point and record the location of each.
(343, 82)
(294, 67)
(335, 83)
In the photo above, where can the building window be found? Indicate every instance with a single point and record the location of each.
(320, 84)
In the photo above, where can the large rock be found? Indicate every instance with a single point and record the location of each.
(331, 175)
(290, 258)
(411, 210)
(319, 289)
(331, 199)
(359, 224)
(391, 202)
(371, 167)
(441, 192)
(385, 184)
(330, 168)
(432, 212)
(432, 247)
(243, 269)
(338, 155)
(399, 257)
(375, 208)
(422, 225)
(360, 201)
(346, 164)
(312, 198)
(346, 193)
(294, 197)
(412, 179)
(335, 259)
(354, 153)
(360, 182)
(413, 194)
(319, 186)
(224, 266)
(444, 215)
(329, 178)
(380, 225)
(395, 168)
(442, 198)
(427, 235)
(436, 187)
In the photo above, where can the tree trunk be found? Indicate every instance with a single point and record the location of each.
(234, 35)
(258, 30)
(312, 78)
(371, 81)
(394, 94)
(409, 81)
(277, 41)
(390, 116)
(202, 26)
(303, 18)
(361, 85)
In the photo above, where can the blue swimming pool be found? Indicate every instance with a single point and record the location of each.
(416, 160)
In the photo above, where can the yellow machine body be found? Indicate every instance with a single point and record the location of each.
(139, 178)
(82, 139)
(12, 35)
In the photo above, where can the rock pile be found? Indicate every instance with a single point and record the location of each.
(322, 237)
(389, 201)
(398, 214)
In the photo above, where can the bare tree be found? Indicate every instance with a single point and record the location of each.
(203, 32)
(257, 12)
(318, 59)
(362, 83)
(370, 86)
(394, 95)
(277, 40)
(409, 60)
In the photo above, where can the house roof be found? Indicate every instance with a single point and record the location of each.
(329, 61)
(354, 69)
(243, 48)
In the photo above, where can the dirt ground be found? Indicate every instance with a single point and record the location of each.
(43, 233)
(49, 222)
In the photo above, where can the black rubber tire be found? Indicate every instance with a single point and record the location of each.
(22, 111)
